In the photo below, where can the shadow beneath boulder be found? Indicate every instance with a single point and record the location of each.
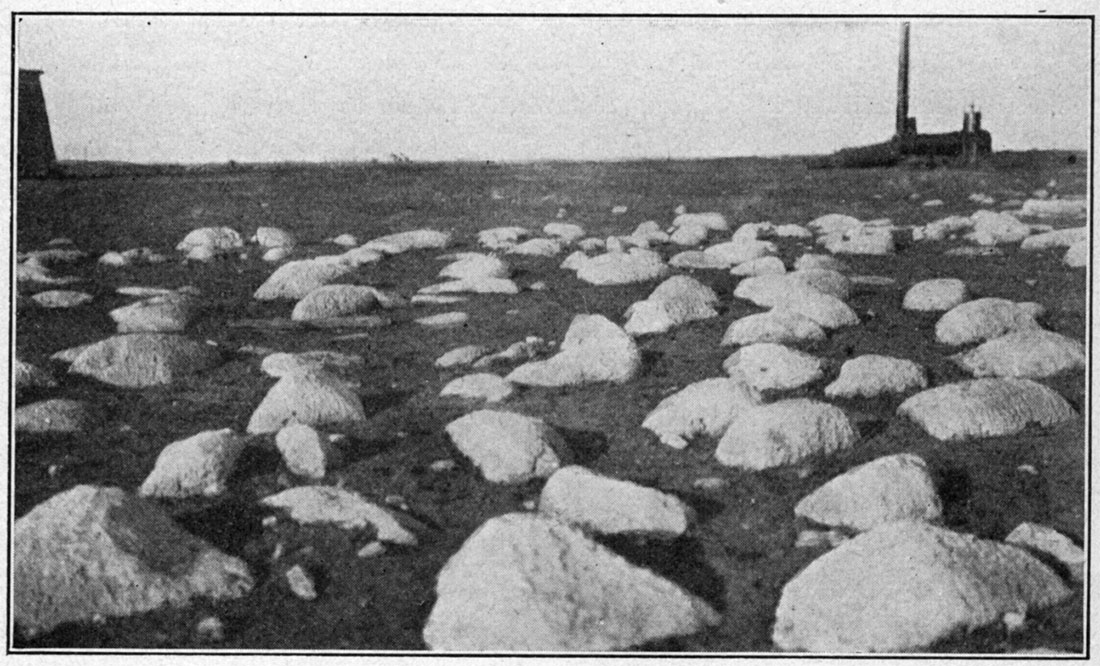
(584, 446)
(380, 402)
(228, 525)
(681, 561)
(955, 489)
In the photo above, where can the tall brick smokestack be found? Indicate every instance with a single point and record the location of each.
(902, 121)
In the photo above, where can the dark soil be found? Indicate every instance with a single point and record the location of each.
(739, 555)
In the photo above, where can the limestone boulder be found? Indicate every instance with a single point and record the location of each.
(541, 585)
(312, 505)
(1078, 255)
(93, 552)
(501, 238)
(335, 300)
(479, 386)
(56, 416)
(507, 447)
(760, 266)
(783, 433)
(1061, 238)
(563, 230)
(872, 374)
(604, 505)
(935, 295)
(992, 228)
(404, 241)
(1043, 539)
(903, 586)
(676, 301)
(295, 279)
(983, 319)
(281, 364)
(768, 366)
(705, 408)
(897, 487)
(538, 247)
(217, 239)
(61, 298)
(834, 223)
(199, 465)
(740, 251)
(27, 377)
(711, 221)
(1031, 353)
(777, 326)
(985, 408)
(271, 237)
(315, 398)
(171, 312)
(475, 266)
(697, 260)
(305, 451)
(622, 268)
(460, 356)
(139, 360)
(594, 350)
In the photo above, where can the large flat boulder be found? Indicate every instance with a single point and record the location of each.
(783, 433)
(507, 447)
(604, 505)
(705, 408)
(139, 360)
(594, 350)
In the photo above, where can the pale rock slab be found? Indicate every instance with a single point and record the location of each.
(444, 320)
(563, 230)
(983, 319)
(461, 356)
(871, 374)
(305, 451)
(985, 408)
(476, 266)
(295, 279)
(1055, 239)
(473, 285)
(760, 266)
(935, 295)
(834, 223)
(507, 447)
(784, 432)
(272, 237)
(1078, 255)
(826, 262)
(538, 247)
(1075, 207)
(27, 377)
(196, 466)
(501, 238)
(711, 221)
(897, 487)
(417, 239)
(335, 300)
(676, 301)
(776, 325)
(689, 235)
(903, 586)
(1048, 540)
(164, 313)
(315, 398)
(61, 298)
(541, 585)
(217, 239)
(740, 251)
(992, 228)
(604, 505)
(55, 416)
(347, 510)
(636, 265)
(281, 364)
(479, 386)
(768, 366)
(594, 350)
(93, 552)
(1032, 354)
(697, 260)
(705, 408)
(138, 360)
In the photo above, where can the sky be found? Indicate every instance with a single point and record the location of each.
(254, 89)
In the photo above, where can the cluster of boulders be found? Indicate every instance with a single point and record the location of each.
(894, 578)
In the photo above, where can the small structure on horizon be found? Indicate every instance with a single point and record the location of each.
(34, 150)
(966, 146)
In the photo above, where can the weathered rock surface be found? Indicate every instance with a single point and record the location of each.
(637, 265)
(94, 552)
(1078, 255)
(541, 585)
(443, 319)
(563, 230)
(760, 266)
(537, 247)
(794, 294)
(335, 300)
(871, 374)
(834, 223)
(271, 237)
(61, 298)
(1071, 207)
(936, 295)
(594, 350)
(740, 251)
(697, 260)
(345, 509)
(216, 239)
(1031, 353)
(460, 356)
(507, 447)
(476, 265)
(473, 285)
(676, 301)
(984, 319)
(500, 238)
(1055, 239)
(604, 505)
(305, 451)
(985, 408)
(196, 466)
(164, 313)
(904, 585)
(27, 377)
(1048, 540)
(56, 416)
(820, 262)
(784, 432)
(138, 360)
(770, 366)
(295, 279)
(711, 221)
(704, 408)
(281, 364)
(777, 325)
(479, 386)
(315, 398)
(417, 239)
(992, 228)
(890, 488)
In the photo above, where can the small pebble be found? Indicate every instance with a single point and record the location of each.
(278, 552)
(709, 483)
(53, 470)
(1027, 469)
(1031, 283)
(530, 504)
(811, 539)
(269, 521)
(301, 584)
(372, 549)
(211, 629)
(1014, 622)
(444, 465)
(537, 286)
(396, 501)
